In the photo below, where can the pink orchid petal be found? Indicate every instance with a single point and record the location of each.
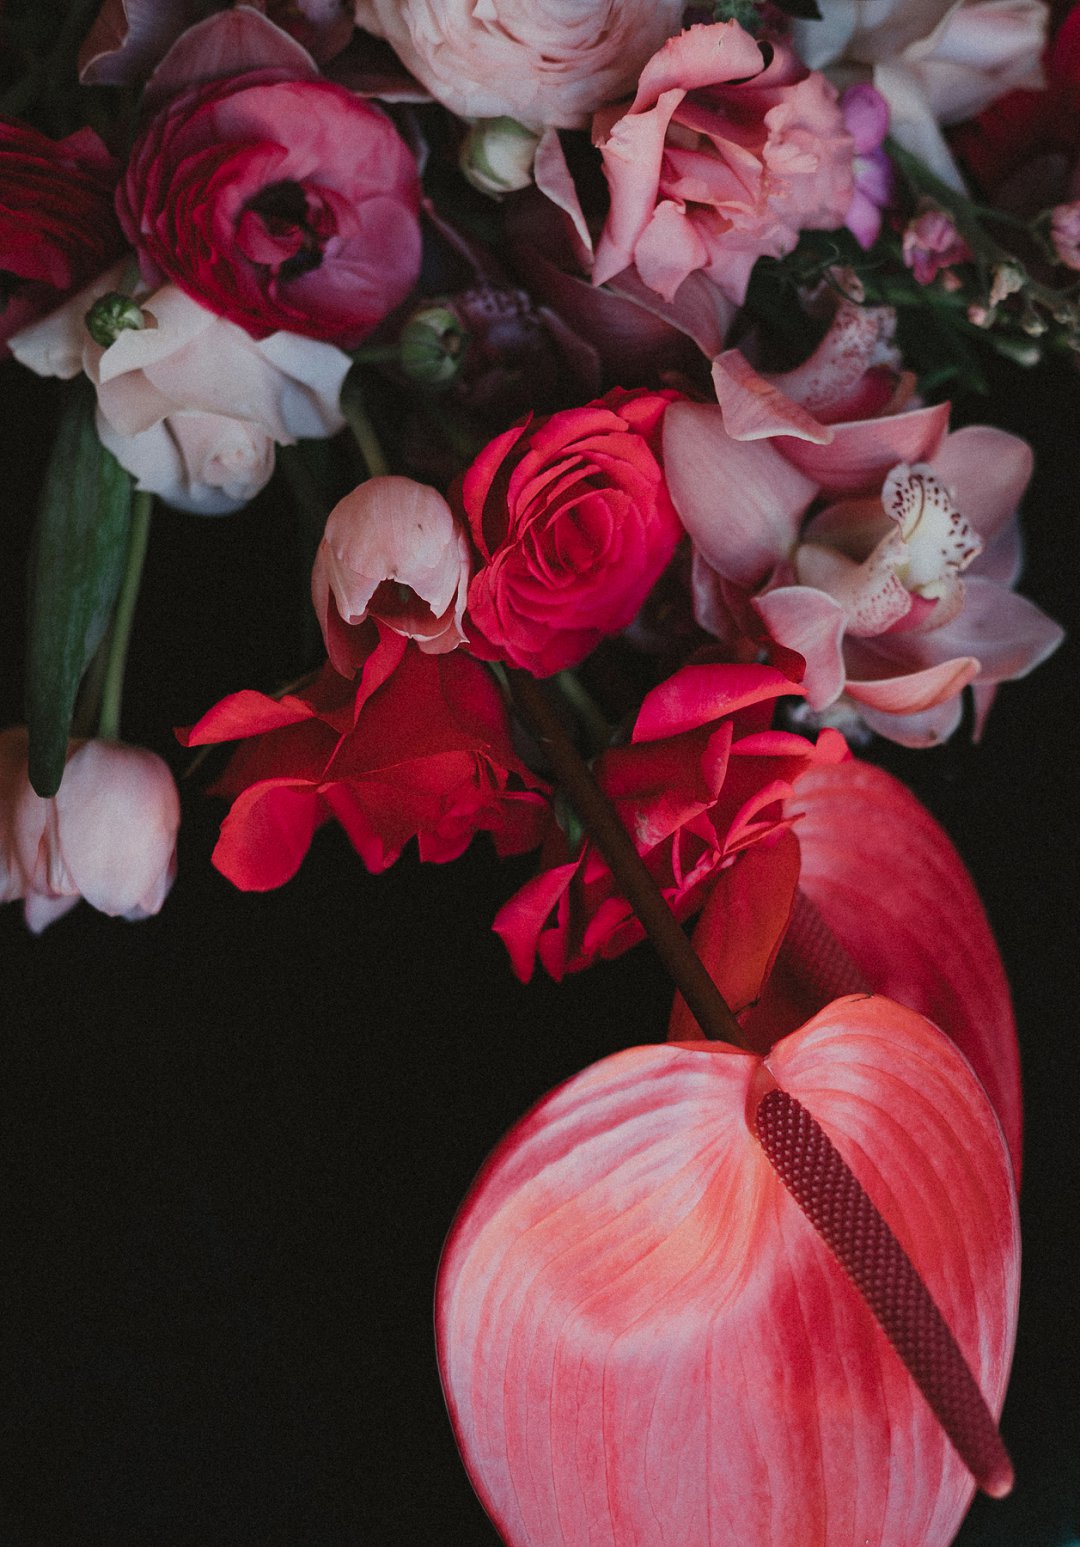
(808, 621)
(128, 38)
(1002, 559)
(643, 1340)
(227, 44)
(753, 407)
(987, 471)
(1007, 634)
(741, 501)
(893, 890)
(862, 452)
(911, 692)
(922, 728)
(698, 308)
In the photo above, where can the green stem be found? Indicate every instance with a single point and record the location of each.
(356, 417)
(120, 637)
(627, 866)
(586, 708)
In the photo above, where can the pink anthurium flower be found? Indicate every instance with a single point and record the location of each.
(881, 549)
(862, 892)
(699, 1296)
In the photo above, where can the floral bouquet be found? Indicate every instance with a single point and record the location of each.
(606, 384)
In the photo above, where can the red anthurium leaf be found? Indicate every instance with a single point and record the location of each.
(894, 892)
(645, 1342)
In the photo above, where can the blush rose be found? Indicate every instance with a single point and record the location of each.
(281, 203)
(189, 403)
(720, 159)
(573, 525)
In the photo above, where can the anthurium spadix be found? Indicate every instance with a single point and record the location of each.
(704, 1298)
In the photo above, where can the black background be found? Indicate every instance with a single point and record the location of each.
(234, 1136)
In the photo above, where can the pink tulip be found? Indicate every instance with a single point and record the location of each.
(391, 550)
(698, 1297)
(108, 834)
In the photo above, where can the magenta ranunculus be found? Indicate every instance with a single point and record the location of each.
(282, 203)
(721, 159)
(573, 525)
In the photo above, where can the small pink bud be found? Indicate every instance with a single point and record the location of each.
(931, 243)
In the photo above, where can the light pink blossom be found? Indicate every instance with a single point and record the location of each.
(391, 550)
(721, 159)
(191, 404)
(936, 62)
(108, 834)
(550, 64)
(881, 550)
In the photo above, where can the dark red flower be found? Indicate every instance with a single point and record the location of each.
(57, 227)
(419, 747)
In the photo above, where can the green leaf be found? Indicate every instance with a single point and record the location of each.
(76, 565)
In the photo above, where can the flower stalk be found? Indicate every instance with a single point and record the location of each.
(120, 634)
(630, 871)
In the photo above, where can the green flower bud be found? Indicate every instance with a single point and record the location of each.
(432, 346)
(497, 155)
(112, 315)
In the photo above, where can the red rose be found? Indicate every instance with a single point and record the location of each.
(419, 747)
(702, 779)
(573, 524)
(57, 227)
(279, 203)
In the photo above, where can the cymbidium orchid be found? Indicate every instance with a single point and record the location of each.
(883, 550)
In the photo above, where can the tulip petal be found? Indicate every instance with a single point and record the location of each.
(643, 1341)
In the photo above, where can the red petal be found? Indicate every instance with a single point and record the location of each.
(891, 887)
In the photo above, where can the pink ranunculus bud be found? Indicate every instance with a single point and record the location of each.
(108, 834)
(1065, 233)
(394, 551)
(931, 243)
(549, 65)
(724, 156)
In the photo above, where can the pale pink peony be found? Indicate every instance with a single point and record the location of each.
(189, 403)
(720, 160)
(934, 61)
(550, 64)
(881, 550)
(392, 550)
(108, 834)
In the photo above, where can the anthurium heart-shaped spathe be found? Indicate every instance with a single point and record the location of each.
(645, 1342)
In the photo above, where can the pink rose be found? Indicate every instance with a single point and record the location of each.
(720, 160)
(57, 226)
(573, 525)
(279, 202)
(189, 403)
(417, 747)
(881, 550)
(702, 779)
(392, 550)
(549, 64)
(108, 834)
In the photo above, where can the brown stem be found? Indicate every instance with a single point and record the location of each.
(627, 866)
